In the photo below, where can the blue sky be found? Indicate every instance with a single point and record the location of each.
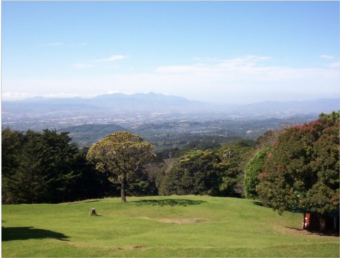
(224, 52)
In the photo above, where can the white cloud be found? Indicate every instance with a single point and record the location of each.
(122, 92)
(248, 68)
(327, 57)
(92, 64)
(15, 95)
(334, 65)
(242, 79)
(20, 96)
(112, 58)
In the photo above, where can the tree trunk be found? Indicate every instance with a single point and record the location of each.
(322, 222)
(122, 189)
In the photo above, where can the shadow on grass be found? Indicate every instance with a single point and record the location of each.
(85, 201)
(311, 232)
(169, 202)
(258, 203)
(25, 233)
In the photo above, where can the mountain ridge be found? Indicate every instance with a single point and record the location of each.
(144, 108)
(104, 98)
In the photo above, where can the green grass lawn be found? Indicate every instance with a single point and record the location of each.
(176, 226)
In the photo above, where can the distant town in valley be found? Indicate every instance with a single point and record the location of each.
(166, 121)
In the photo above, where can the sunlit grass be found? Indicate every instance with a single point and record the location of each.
(176, 226)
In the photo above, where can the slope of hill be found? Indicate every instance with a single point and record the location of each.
(160, 226)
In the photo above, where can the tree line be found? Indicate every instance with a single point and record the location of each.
(45, 167)
(295, 168)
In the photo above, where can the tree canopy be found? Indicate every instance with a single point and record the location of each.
(43, 168)
(302, 170)
(251, 171)
(212, 171)
(122, 154)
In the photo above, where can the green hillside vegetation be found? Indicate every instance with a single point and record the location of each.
(85, 135)
(175, 226)
(299, 172)
(46, 167)
(214, 171)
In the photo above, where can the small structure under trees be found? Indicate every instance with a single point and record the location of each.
(122, 154)
(331, 222)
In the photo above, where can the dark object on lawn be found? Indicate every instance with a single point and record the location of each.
(93, 212)
(329, 223)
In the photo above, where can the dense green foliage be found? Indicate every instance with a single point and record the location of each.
(302, 170)
(45, 167)
(299, 172)
(123, 154)
(251, 172)
(172, 226)
(45, 170)
(11, 144)
(212, 172)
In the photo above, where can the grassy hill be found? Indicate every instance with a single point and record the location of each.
(176, 226)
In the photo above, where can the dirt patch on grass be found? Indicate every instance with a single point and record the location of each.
(109, 247)
(181, 221)
(136, 247)
(301, 232)
(177, 221)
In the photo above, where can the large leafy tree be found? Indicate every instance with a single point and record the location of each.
(302, 170)
(123, 154)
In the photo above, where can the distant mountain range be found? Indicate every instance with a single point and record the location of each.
(150, 102)
(277, 109)
(154, 103)
(163, 120)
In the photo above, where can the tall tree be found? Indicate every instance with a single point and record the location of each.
(11, 143)
(122, 154)
(251, 171)
(302, 170)
(46, 169)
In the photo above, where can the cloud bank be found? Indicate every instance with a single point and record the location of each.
(244, 79)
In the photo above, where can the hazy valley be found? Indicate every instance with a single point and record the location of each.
(167, 121)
